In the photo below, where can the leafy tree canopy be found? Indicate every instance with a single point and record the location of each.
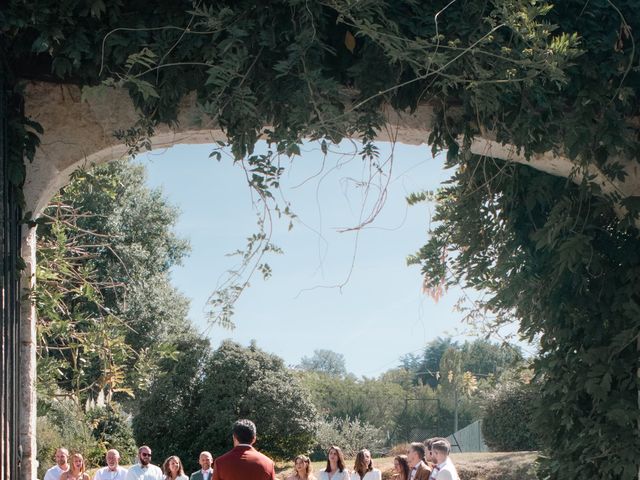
(325, 361)
(537, 75)
(193, 406)
(106, 308)
(556, 258)
(165, 415)
(479, 357)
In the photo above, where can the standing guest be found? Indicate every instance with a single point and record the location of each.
(363, 468)
(244, 462)
(144, 470)
(444, 469)
(415, 457)
(61, 466)
(302, 469)
(430, 459)
(335, 469)
(206, 472)
(173, 470)
(76, 469)
(113, 470)
(401, 468)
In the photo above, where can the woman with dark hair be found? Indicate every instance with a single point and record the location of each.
(302, 469)
(173, 470)
(363, 468)
(401, 467)
(335, 469)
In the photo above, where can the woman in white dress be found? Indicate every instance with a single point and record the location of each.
(173, 470)
(302, 469)
(335, 469)
(76, 470)
(363, 468)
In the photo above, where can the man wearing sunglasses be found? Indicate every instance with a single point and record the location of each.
(144, 470)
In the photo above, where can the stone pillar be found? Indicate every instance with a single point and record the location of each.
(28, 341)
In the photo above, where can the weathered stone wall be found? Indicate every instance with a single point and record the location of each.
(79, 126)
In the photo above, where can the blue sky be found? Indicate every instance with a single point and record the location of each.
(379, 313)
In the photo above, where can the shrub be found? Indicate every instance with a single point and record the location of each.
(350, 435)
(48, 439)
(508, 421)
(112, 429)
(64, 424)
(182, 414)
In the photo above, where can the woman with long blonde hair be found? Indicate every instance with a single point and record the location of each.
(302, 469)
(76, 469)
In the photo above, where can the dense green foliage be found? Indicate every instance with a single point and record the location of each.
(530, 72)
(194, 406)
(556, 258)
(507, 424)
(325, 361)
(166, 414)
(351, 435)
(561, 259)
(111, 428)
(108, 318)
(91, 432)
(372, 401)
(106, 308)
(404, 408)
(481, 357)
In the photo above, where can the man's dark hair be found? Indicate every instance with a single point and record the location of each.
(244, 430)
(418, 448)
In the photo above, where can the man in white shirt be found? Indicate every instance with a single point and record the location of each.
(144, 470)
(113, 471)
(429, 458)
(444, 469)
(62, 465)
(206, 472)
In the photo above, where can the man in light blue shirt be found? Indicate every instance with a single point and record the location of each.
(144, 470)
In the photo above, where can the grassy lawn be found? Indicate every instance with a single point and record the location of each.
(471, 466)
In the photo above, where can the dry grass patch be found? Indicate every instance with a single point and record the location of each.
(496, 465)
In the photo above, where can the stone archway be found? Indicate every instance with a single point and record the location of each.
(78, 130)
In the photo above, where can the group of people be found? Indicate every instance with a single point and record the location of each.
(423, 461)
(428, 461)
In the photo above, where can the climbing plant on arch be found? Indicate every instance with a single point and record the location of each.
(557, 82)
